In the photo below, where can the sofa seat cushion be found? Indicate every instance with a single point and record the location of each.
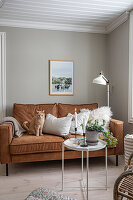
(28, 144)
(25, 112)
(64, 109)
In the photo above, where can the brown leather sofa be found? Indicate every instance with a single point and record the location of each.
(29, 148)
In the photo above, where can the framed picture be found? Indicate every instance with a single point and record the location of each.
(61, 77)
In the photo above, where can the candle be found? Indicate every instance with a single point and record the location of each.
(75, 118)
(83, 125)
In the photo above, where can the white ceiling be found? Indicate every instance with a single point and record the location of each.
(76, 15)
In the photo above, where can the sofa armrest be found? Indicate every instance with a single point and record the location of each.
(5, 140)
(117, 128)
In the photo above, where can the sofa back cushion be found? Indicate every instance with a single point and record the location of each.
(25, 112)
(64, 109)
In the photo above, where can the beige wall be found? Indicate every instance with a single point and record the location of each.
(118, 69)
(28, 53)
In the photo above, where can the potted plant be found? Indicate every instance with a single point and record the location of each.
(93, 130)
(109, 139)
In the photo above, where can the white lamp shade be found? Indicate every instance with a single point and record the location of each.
(100, 80)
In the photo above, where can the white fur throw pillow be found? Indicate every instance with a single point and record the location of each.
(57, 126)
(100, 114)
(80, 117)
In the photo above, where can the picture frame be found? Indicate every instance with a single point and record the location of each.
(61, 77)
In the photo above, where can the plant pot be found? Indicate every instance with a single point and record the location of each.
(92, 137)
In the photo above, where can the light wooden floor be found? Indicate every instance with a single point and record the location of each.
(25, 177)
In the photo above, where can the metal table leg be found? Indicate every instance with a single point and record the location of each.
(62, 166)
(106, 165)
(82, 165)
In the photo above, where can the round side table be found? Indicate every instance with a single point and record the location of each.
(76, 147)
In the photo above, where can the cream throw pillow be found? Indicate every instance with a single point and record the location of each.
(80, 117)
(57, 126)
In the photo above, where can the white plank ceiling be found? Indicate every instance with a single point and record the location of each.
(73, 15)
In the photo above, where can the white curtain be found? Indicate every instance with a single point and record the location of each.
(2, 75)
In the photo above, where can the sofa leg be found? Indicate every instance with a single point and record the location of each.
(116, 160)
(6, 169)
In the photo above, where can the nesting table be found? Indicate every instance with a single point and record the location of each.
(70, 144)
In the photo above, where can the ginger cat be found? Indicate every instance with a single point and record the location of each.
(36, 124)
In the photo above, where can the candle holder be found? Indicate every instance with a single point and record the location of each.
(84, 144)
(76, 141)
(75, 133)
